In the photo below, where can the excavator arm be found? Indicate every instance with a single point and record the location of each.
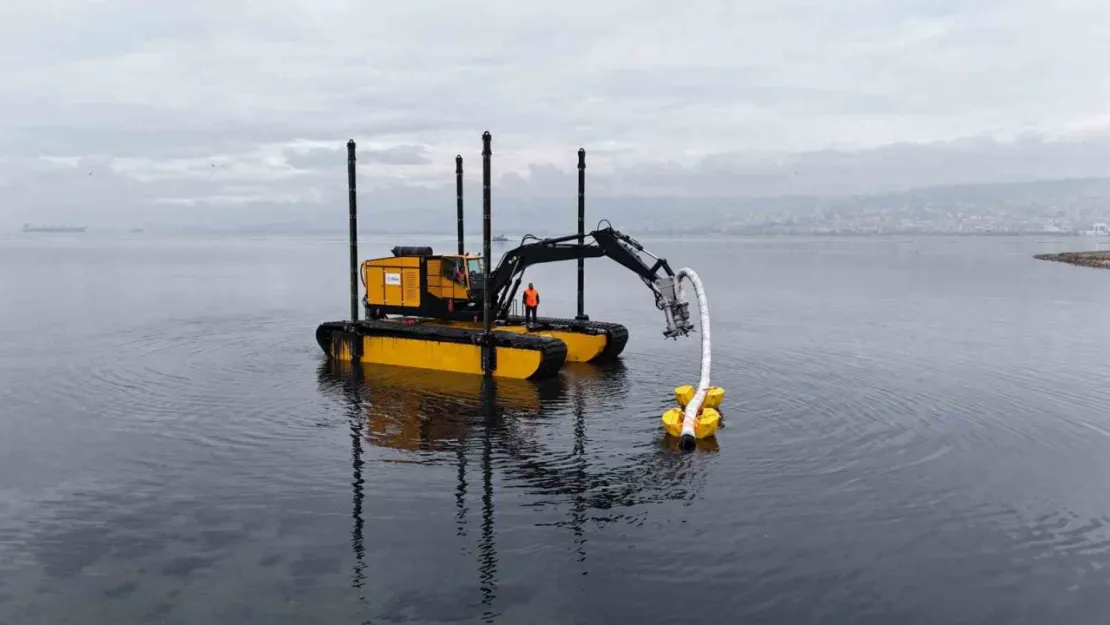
(505, 279)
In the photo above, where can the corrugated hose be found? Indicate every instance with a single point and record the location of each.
(694, 406)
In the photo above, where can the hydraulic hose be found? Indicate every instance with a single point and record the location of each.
(694, 405)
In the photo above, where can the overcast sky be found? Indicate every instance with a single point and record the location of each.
(135, 110)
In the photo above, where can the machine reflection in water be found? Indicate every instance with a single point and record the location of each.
(453, 415)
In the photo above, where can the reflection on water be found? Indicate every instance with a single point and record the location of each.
(487, 548)
(451, 415)
(351, 393)
(433, 411)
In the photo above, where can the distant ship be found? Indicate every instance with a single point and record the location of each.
(500, 238)
(30, 228)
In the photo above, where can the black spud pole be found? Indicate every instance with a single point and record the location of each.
(459, 194)
(354, 228)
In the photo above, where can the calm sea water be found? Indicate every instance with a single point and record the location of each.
(918, 431)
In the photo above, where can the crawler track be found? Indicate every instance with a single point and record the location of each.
(616, 334)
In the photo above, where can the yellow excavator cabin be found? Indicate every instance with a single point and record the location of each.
(418, 283)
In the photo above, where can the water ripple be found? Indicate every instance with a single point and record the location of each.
(910, 437)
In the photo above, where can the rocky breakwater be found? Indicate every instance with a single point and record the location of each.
(1083, 259)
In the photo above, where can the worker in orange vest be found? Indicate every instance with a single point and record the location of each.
(531, 302)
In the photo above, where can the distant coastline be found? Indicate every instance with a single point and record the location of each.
(1099, 259)
(377, 229)
(72, 229)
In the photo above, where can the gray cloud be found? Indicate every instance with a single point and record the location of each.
(239, 109)
(332, 158)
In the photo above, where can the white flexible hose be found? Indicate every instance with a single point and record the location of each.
(694, 405)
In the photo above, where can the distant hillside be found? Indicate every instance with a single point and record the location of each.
(1043, 191)
(1003, 207)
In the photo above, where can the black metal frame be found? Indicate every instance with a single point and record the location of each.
(497, 288)
(506, 278)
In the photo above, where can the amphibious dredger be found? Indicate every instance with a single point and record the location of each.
(452, 312)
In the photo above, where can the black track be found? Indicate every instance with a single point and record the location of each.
(553, 351)
(616, 334)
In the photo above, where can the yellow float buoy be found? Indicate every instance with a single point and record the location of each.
(713, 397)
(705, 424)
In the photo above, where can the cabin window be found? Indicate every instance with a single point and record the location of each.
(449, 267)
(453, 270)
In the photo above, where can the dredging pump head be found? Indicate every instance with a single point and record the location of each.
(676, 310)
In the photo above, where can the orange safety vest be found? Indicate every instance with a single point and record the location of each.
(531, 298)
